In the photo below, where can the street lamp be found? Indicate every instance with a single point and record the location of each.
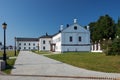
(38, 47)
(4, 26)
(15, 46)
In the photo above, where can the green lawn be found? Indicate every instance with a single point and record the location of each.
(10, 62)
(9, 53)
(91, 61)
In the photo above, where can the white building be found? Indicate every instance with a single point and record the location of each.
(27, 43)
(44, 42)
(70, 38)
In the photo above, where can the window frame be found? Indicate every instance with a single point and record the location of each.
(24, 44)
(43, 47)
(33, 44)
(24, 48)
(43, 41)
(29, 48)
(70, 39)
(19, 44)
(75, 27)
(79, 38)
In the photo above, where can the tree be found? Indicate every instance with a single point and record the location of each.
(104, 27)
(116, 47)
(92, 31)
(118, 28)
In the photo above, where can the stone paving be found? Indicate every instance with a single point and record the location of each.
(41, 78)
(29, 63)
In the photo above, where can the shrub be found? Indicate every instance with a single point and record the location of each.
(113, 48)
(116, 46)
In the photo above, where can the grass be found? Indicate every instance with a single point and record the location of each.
(90, 61)
(10, 62)
(9, 53)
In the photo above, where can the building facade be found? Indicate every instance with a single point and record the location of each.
(27, 43)
(69, 38)
(44, 42)
(72, 38)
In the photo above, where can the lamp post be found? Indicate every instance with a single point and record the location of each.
(15, 46)
(4, 25)
(38, 47)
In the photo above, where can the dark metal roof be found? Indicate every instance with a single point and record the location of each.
(27, 39)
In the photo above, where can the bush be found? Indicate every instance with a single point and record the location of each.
(116, 46)
(113, 48)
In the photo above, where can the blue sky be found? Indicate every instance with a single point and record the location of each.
(33, 18)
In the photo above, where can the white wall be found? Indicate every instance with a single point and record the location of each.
(31, 46)
(46, 45)
(75, 45)
(75, 48)
(57, 40)
(62, 40)
(75, 35)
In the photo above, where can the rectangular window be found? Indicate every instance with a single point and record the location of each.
(43, 41)
(19, 48)
(33, 44)
(29, 48)
(29, 44)
(19, 44)
(34, 48)
(24, 44)
(79, 39)
(43, 47)
(70, 39)
(24, 47)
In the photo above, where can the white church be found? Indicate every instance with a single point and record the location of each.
(70, 38)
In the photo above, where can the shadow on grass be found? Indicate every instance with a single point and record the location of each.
(10, 66)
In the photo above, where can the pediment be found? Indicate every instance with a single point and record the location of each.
(75, 28)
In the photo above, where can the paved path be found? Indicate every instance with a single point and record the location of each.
(29, 63)
(43, 78)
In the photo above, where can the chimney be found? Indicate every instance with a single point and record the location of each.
(46, 34)
(67, 25)
(88, 28)
(61, 27)
(75, 20)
